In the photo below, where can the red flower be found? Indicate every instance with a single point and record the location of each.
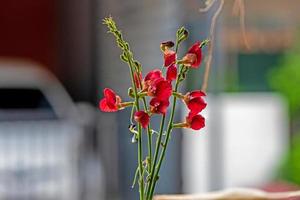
(151, 77)
(160, 88)
(142, 117)
(195, 121)
(110, 102)
(159, 106)
(194, 56)
(138, 80)
(169, 57)
(194, 101)
(172, 72)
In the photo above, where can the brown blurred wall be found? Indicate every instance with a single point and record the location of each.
(271, 25)
(55, 33)
(28, 30)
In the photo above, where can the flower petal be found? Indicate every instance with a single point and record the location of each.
(142, 117)
(169, 57)
(197, 93)
(159, 106)
(110, 95)
(194, 101)
(196, 104)
(172, 72)
(103, 106)
(154, 74)
(163, 89)
(193, 57)
(195, 122)
(198, 122)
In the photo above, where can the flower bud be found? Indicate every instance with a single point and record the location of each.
(166, 45)
(123, 57)
(182, 34)
(138, 66)
(130, 92)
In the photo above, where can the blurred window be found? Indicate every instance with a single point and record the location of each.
(24, 104)
(253, 70)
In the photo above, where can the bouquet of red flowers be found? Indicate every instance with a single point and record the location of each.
(159, 85)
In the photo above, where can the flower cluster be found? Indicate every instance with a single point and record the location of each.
(154, 92)
(159, 88)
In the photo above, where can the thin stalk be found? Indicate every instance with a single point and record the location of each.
(127, 57)
(169, 129)
(176, 47)
(131, 114)
(165, 144)
(158, 143)
(148, 132)
(134, 179)
(140, 151)
(149, 139)
(140, 154)
(153, 175)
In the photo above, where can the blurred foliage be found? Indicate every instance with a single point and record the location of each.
(290, 170)
(286, 77)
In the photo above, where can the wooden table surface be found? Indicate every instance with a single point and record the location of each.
(234, 193)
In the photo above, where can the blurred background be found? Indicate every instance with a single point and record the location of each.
(55, 59)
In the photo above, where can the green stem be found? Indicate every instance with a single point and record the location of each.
(131, 114)
(149, 139)
(166, 141)
(180, 125)
(134, 179)
(158, 144)
(140, 152)
(154, 174)
(149, 148)
(176, 47)
(178, 95)
(152, 187)
(127, 57)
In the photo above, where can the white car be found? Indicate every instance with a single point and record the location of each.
(41, 136)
